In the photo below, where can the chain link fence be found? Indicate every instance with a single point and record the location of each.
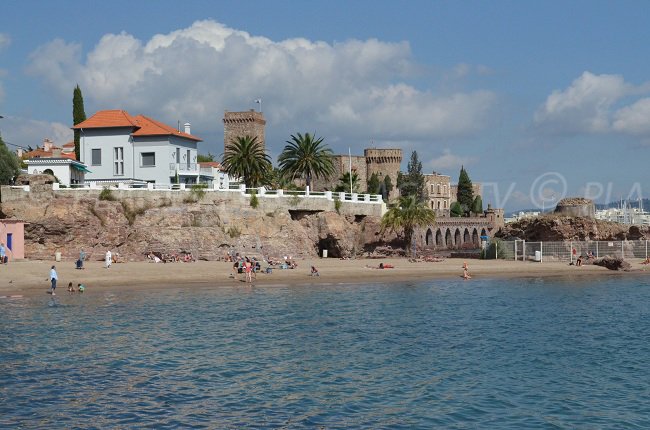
(522, 250)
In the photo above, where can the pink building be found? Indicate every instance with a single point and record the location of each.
(12, 234)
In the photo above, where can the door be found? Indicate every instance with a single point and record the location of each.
(10, 240)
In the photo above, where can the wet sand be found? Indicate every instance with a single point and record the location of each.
(30, 277)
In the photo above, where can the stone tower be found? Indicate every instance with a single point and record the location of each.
(384, 162)
(240, 124)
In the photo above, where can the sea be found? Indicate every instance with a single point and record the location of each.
(563, 353)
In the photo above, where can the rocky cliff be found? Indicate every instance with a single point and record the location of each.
(560, 228)
(209, 229)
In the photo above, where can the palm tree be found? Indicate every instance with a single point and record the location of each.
(344, 183)
(306, 156)
(408, 214)
(246, 158)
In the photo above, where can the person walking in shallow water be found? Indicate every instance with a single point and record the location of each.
(53, 278)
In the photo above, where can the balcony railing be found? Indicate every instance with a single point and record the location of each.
(183, 168)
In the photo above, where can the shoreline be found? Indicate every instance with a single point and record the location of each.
(28, 277)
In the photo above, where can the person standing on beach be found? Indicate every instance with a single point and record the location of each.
(2, 253)
(82, 258)
(109, 259)
(53, 278)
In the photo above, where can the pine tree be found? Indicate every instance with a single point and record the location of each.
(456, 210)
(78, 116)
(388, 186)
(9, 164)
(373, 184)
(412, 184)
(465, 193)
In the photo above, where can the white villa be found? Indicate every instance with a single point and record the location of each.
(120, 148)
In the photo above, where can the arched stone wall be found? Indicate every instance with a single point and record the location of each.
(439, 241)
(475, 239)
(429, 238)
(466, 236)
(457, 237)
(448, 239)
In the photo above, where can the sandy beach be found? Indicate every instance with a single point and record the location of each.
(31, 277)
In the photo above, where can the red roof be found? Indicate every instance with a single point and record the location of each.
(108, 119)
(151, 127)
(142, 125)
(214, 164)
(69, 145)
(41, 153)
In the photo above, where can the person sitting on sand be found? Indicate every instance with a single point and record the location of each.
(314, 271)
(386, 266)
(466, 273)
(80, 288)
(70, 288)
(590, 255)
(579, 261)
(646, 261)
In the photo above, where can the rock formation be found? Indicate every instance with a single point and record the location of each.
(562, 227)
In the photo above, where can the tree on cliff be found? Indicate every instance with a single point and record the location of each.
(412, 183)
(388, 187)
(465, 193)
(305, 156)
(344, 183)
(245, 158)
(78, 116)
(406, 216)
(9, 164)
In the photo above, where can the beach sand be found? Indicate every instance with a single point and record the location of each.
(28, 277)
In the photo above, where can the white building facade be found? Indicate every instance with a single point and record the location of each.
(68, 172)
(120, 148)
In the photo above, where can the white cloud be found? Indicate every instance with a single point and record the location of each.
(349, 90)
(633, 119)
(28, 132)
(584, 106)
(448, 162)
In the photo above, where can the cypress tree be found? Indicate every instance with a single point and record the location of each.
(78, 116)
(388, 186)
(465, 194)
(477, 205)
(373, 184)
(456, 210)
(412, 184)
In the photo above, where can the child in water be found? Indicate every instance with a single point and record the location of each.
(70, 288)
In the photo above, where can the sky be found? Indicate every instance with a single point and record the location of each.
(537, 100)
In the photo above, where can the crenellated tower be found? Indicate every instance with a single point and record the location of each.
(384, 162)
(240, 124)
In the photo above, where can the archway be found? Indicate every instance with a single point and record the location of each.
(429, 237)
(457, 237)
(448, 238)
(475, 237)
(438, 238)
(466, 237)
(48, 172)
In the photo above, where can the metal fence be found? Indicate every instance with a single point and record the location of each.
(522, 250)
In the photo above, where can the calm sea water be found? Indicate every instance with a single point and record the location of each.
(439, 354)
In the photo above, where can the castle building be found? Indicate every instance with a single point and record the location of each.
(239, 124)
(441, 194)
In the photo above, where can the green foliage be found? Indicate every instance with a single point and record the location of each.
(78, 116)
(277, 181)
(344, 183)
(412, 183)
(388, 186)
(337, 205)
(201, 158)
(101, 219)
(107, 194)
(132, 213)
(406, 216)
(373, 184)
(497, 249)
(477, 205)
(246, 158)
(294, 201)
(234, 232)
(306, 157)
(456, 210)
(9, 164)
(254, 202)
(465, 194)
(198, 191)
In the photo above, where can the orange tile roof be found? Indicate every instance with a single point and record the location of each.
(41, 153)
(151, 127)
(142, 125)
(108, 118)
(215, 164)
(69, 145)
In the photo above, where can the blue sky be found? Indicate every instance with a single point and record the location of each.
(537, 99)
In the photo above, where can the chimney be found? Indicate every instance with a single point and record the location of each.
(187, 128)
(47, 144)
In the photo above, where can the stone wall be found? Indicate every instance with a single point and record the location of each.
(240, 124)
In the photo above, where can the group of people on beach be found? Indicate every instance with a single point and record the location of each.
(171, 258)
(54, 277)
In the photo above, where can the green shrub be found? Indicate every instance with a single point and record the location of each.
(337, 206)
(107, 194)
(497, 249)
(234, 232)
(198, 191)
(294, 201)
(254, 202)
